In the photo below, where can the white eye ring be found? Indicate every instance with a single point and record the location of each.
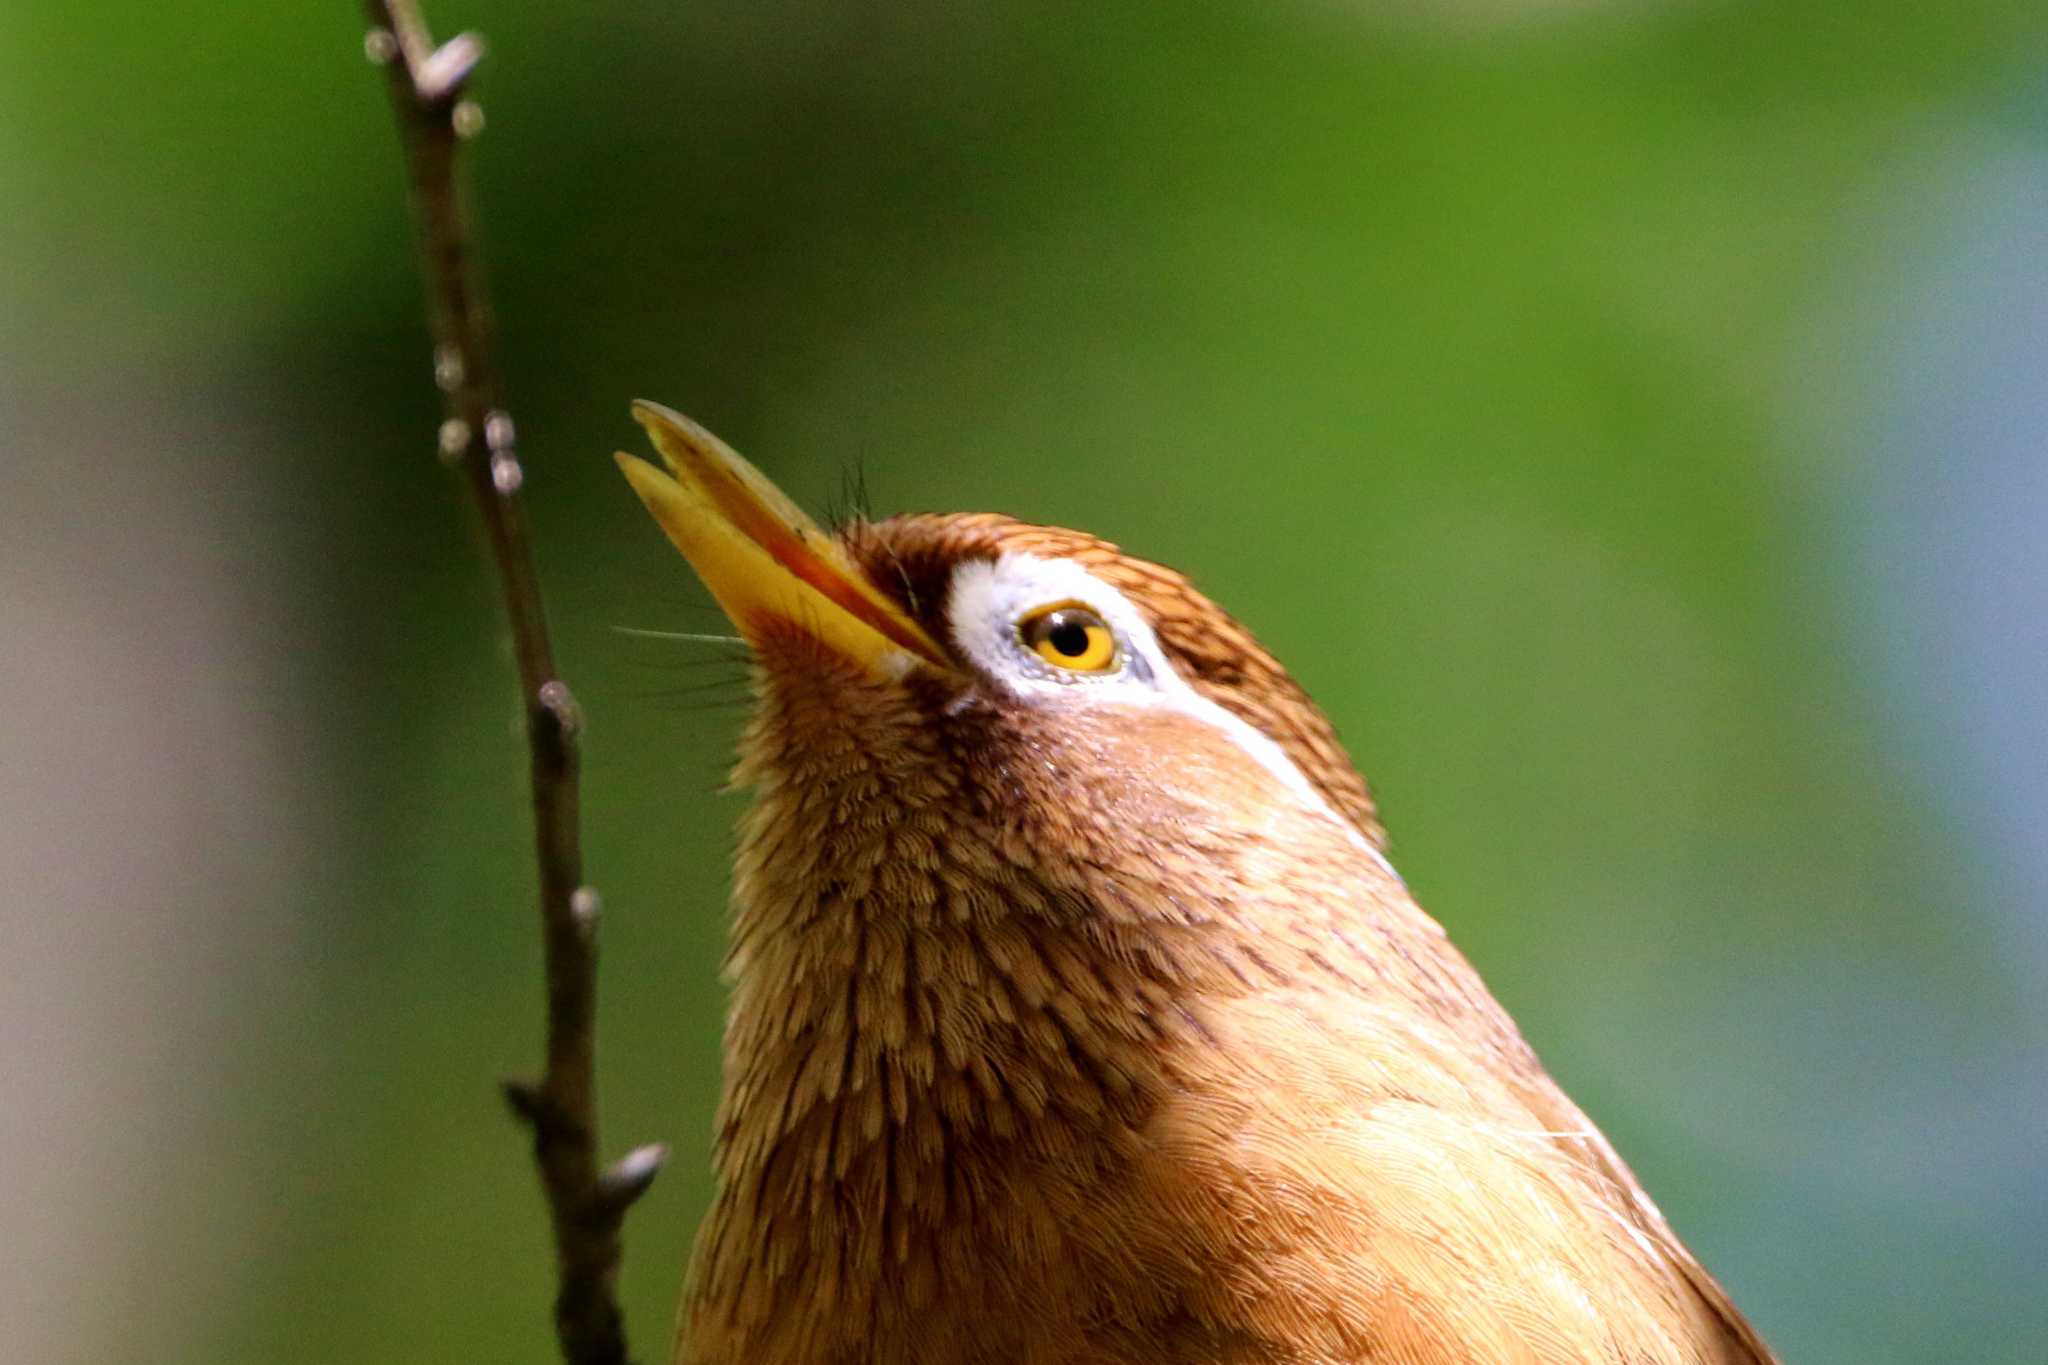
(992, 609)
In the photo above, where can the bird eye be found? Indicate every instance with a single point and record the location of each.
(1071, 636)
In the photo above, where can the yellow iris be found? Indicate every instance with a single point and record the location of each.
(1071, 636)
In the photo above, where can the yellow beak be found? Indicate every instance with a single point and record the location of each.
(763, 559)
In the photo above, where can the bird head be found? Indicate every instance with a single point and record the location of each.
(981, 658)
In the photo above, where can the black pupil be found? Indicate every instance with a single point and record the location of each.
(1067, 635)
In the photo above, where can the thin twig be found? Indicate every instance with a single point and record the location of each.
(585, 1205)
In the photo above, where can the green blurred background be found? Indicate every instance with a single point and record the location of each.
(1626, 417)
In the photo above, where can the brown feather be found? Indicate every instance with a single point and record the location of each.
(1074, 1035)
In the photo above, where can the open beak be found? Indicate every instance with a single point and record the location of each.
(763, 559)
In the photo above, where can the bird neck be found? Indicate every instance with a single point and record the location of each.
(928, 1043)
(956, 1005)
(907, 991)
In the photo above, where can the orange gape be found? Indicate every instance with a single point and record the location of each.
(1078, 1017)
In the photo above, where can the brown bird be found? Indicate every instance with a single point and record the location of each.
(1077, 1014)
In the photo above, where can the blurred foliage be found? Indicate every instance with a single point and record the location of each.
(1498, 364)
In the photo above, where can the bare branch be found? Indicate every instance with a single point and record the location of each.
(586, 1206)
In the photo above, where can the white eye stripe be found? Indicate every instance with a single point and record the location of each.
(984, 603)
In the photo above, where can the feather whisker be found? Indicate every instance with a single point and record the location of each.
(688, 636)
